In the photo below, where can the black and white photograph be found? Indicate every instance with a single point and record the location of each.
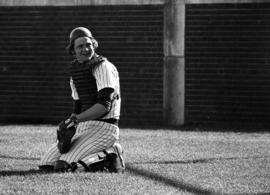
(135, 97)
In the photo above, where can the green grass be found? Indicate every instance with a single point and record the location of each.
(158, 162)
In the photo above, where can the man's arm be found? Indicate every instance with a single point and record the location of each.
(103, 106)
(92, 113)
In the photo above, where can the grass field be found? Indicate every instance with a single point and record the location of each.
(158, 162)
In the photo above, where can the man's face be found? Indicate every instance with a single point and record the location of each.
(84, 49)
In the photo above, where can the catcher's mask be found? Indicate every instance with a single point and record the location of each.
(77, 33)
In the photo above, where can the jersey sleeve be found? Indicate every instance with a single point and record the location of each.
(74, 93)
(106, 76)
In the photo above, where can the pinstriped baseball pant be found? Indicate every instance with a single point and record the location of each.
(91, 137)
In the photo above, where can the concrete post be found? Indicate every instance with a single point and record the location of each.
(174, 63)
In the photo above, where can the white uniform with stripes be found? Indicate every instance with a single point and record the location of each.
(92, 136)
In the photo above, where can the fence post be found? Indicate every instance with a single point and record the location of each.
(174, 63)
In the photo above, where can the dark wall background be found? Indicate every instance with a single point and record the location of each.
(228, 63)
(34, 83)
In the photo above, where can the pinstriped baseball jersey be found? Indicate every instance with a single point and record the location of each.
(106, 75)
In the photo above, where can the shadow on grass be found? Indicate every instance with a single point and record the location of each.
(201, 160)
(22, 173)
(18, 158)
(180, 185)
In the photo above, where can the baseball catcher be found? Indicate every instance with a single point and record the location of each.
(89, 139)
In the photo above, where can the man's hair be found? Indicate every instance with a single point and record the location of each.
(70, 47)
(77, 33)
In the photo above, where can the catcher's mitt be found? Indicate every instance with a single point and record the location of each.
(66, 130)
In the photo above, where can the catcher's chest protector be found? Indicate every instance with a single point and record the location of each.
(85, 82)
